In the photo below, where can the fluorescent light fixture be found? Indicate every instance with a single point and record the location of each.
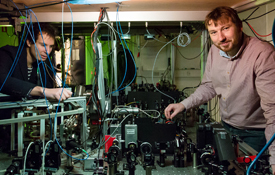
(93, 1)
(5, 25)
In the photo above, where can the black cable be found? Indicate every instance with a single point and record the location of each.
(245, 20)
(191, 87)
(256, 35)
(260, 15)
(144, 78)
(96, 33)
(204, 46)
(214, 106)
(95, 97)
(251, 13)
(165, 72)
(216, 112)
(43, 5)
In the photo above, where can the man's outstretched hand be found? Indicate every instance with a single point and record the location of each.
(51, 93)
(173, 109)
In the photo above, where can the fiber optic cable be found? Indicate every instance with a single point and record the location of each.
(41, 62)
(126, 62)
(61, 96)
(52, 68)
(24, 166)
(131, 57)
(21, 49)
(44, 154)
(179, 43)
(154, 67)
(30, 33)
(259, 155)
(119, 89)
(16, 57)
(35, 47)
(273, 33)
(42, 82)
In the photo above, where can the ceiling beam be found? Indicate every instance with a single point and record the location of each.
(130, 16)
(249, 4)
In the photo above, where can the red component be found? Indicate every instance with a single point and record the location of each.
(95, 122)
(109, 143)
(246, 159)
(157, 85)
(4, 29)
(138, 54)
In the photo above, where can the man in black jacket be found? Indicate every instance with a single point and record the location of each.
(25, 75)
(29, 78)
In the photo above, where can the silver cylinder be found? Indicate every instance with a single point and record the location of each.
(148, 170)
(195, 160)
(122, 111)
(79, 90)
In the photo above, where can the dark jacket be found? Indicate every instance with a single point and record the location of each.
(17, 84)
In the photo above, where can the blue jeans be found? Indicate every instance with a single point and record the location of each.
(253, 137)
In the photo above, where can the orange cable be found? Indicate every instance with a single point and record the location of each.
(95, 29)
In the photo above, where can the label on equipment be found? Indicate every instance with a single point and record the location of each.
(130, 131)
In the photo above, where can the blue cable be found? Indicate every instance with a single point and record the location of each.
(44, 69)
(45, 75)
(131, 57)
(32, 35)
(273, 33)
(63, 85)
(259, 155)
(63, 89)
(52, 68)
(36, 52)
(119, 89)
(273, 137)
(32, 38)
(38, 63)
(16, 60)
(19, 48)
(124, 53)
(16, 56)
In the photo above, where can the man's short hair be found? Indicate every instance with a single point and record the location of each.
(224, 13)
(45, 28)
